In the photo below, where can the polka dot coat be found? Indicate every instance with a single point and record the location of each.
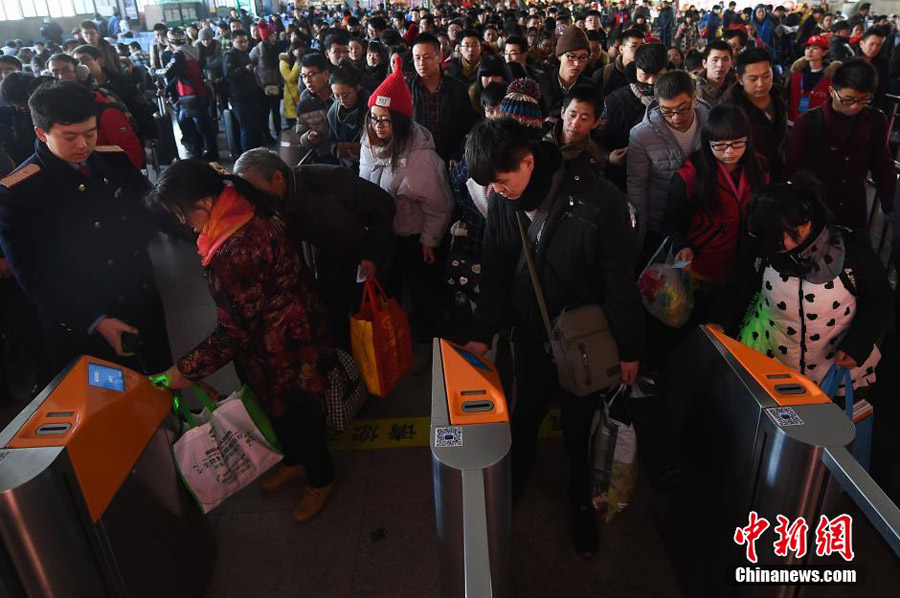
(801, 324)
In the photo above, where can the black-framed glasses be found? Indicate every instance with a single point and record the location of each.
(576, 57)
(666, 113)
(851, 101)
(384, 121)
(721, 146)
(310, 75)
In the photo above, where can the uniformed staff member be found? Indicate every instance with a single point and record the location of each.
(348, 219)
(75, 233)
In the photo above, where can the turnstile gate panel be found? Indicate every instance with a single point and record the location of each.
(90, 501)
(470, 443)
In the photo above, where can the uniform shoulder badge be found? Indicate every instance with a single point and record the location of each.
(106, 149)
(22, 174)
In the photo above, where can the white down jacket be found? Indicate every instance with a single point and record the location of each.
(418, 184)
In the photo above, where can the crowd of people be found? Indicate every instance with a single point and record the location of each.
(434, 143)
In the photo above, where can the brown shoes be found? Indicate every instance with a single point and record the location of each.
(313, 501)
(280, 475)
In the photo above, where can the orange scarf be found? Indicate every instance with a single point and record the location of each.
(229, 213)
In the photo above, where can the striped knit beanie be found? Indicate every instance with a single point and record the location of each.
(523, 103)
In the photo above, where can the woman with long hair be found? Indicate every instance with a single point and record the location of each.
(822, 296)
(271, 323)
(706, 214)
(399, 155)
(346, 116)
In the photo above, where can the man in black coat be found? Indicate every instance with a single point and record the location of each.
(766, 109)
(585, 253)
(625, 107)
(573, 52)
(441, 103)
(243, 90)
(839, 48)
(75, 233)
(347, 219)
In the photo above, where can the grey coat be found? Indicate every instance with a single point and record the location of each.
(653, 158)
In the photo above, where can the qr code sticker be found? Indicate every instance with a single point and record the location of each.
(785, 416)
(448, 437)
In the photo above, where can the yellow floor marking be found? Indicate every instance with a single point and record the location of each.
(408, 432)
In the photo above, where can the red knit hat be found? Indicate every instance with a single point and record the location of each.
(393, 93)
(265, 29)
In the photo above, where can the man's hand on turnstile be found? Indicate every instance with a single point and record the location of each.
(111, 330)
(477, 348)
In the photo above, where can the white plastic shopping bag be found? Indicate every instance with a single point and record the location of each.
(225, 454)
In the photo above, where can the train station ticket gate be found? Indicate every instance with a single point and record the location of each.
(758, 436)
(470, 441)
(90, 501)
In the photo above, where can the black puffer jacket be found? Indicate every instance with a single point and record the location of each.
(341, 214)
(586, 255)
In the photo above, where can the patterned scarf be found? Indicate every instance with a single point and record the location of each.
(229, 213)
(640, 91)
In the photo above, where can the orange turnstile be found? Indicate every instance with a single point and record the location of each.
(90, 500)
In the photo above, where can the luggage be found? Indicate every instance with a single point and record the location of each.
(164, 148)
(613, 451)
(228, 451)
(381, 340)
(346, 392)
(232, 132)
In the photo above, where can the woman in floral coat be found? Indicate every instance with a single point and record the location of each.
(270, 321)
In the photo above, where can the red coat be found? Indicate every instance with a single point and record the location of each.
(715, 236)
(818, 95)
(270, 321)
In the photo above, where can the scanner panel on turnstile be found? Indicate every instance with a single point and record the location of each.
(772, 375)
(468, 380)
(107, 431)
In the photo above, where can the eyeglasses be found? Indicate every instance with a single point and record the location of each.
(512, 54)
(668, 114)
(380, 122)
(424, 58)
(576, 57)
(721, 146)
(469, 46)
(309, 75)
(851, 101)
